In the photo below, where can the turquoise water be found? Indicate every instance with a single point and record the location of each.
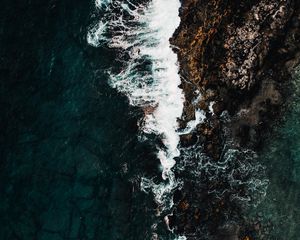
(280, 210)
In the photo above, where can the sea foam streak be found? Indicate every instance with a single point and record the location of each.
(141, 33)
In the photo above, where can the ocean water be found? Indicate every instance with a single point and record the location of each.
(279, 211)
(83, 156)
(71, 159)
(89, 133)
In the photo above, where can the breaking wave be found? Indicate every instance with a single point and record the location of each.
(148, 75)
(146, 71)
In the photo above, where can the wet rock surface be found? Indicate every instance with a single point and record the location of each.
(239, 56)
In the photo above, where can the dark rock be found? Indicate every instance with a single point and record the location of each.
(239, 55)
(187, 140)
(218, 108)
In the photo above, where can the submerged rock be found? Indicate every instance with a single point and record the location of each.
(239, 56)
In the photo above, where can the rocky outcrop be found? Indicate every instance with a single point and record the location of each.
(248, 45)
(237, 55)
(235, 60)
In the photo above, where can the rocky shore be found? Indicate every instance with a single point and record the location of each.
(236, 59)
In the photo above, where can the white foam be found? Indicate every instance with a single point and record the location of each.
(191, 125)
(180, 238)
(210, 107)
(102, 3)
(144, 35)
(96, 34)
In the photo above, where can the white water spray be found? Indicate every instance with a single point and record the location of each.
(143, 32)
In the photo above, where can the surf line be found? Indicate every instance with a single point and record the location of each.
(141, 32)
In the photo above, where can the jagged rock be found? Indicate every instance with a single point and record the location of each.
(218, 108)
(247, 46)
(238, 55)
(188, 139)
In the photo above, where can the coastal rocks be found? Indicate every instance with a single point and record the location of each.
(211, 138)
(254, 116)
(217, 51)
(238, 57)
(248, 45)
(188, 139)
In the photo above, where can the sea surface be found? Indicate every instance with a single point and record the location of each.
(89, 137)
(279, 210)
(72, 157)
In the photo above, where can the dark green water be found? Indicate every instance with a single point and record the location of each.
(280, 210)
(66, 136)
(70, 158)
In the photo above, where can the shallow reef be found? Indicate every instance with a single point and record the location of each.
(236, 62)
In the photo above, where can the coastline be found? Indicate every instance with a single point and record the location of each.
(91, 110)
(236, 60)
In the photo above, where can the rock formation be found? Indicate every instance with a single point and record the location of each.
(238, 56)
